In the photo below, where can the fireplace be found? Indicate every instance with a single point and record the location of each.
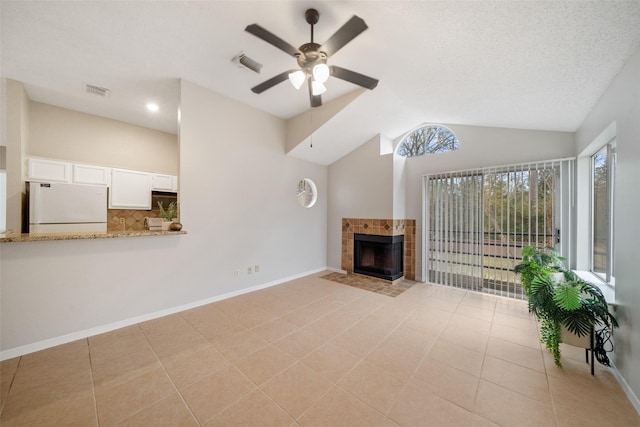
(378, 256)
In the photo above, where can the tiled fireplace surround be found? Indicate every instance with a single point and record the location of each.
(380, 227)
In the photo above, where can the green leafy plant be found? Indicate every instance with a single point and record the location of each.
(170, 212)
(550, 335)
(535, 262)
(570, 301)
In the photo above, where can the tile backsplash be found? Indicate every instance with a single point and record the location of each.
(133, 219)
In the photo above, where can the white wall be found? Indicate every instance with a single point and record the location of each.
(238, 194)
(59, 133)
(360, 186)
(239, 208)
(621, 104)
(399, 185)
(15, 136)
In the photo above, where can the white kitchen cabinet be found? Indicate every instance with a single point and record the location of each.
(175, 183)
(91, 174)
(130, 189)
(161, 182)
(48, 170)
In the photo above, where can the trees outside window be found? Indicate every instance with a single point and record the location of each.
(602, 180)
(428, 139)
(480, 220)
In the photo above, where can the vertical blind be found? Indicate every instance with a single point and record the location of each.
(479, 221)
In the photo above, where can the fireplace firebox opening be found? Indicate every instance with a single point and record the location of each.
(378, 256)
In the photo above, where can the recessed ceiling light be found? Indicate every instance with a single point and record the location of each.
(152, 107)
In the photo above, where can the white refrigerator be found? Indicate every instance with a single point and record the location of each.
(67, 208)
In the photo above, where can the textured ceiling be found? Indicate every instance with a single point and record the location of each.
(532, 65)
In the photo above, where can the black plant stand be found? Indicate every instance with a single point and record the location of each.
(586, 351)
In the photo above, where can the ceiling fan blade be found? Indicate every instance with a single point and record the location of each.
(268, 84)
(271, 38)
(315, 100)
(353, 77)
(344, 35)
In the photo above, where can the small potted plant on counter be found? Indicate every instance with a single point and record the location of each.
(167, 214)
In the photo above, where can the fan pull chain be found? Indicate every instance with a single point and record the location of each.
(311, 124)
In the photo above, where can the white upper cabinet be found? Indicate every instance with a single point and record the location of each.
(161, 182)
(48, 170)
(91, 174)
(130, 189)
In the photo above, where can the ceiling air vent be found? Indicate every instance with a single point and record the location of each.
(96, 90)
(242, 60)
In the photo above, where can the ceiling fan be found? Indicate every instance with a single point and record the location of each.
(312, 58)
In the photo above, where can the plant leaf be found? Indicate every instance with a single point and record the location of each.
(577, 322)
(567, 296)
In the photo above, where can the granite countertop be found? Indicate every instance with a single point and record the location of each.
(44, 237)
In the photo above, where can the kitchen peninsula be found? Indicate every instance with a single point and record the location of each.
(42, 237)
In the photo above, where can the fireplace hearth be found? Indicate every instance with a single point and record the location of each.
(379, 227)
(378, 256)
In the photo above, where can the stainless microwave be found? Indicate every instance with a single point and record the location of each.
(166, 197)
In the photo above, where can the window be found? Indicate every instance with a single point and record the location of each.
(428, 139)
(3, 201)
(3, 188)
(478, 221)
(602, 185)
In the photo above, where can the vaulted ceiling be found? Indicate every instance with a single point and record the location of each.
(531, 65)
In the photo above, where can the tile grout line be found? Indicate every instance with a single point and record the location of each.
(546, 373)
(524, 367)
(324, 343)
(13, 377)
(170, 379)
(334, 384)
(427, 355)
(93, 385)
(389, 309)
(369, 353)
(475, 395)
(299, 360)
(232, 362)
(228, 359)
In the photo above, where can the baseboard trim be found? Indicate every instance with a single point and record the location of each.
(64, 339)
(337, 270)
(627, 390)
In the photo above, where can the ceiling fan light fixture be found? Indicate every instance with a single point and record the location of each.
(317, 88)
(297, 78)
(321, 73)
(312, 58)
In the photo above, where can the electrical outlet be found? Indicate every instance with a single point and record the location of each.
(256, 268)
(236, 273)
(121, 221)
(249, 271)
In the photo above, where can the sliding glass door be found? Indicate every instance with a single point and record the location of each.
(478, 221)
(455, 230)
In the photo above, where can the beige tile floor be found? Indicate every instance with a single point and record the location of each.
(317, 353)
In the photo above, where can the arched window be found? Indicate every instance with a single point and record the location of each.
(428, 139)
